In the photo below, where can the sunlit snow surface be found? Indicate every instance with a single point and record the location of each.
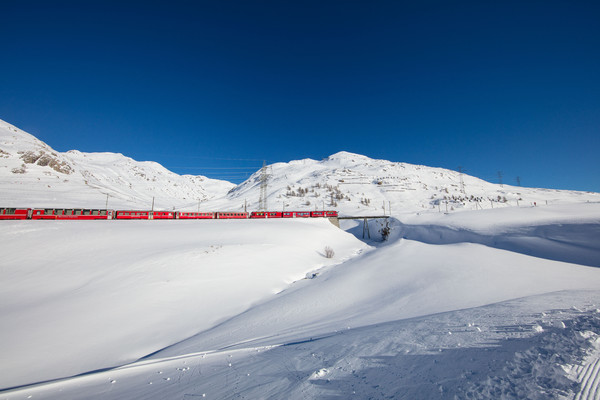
(224, 309)
(482, 291)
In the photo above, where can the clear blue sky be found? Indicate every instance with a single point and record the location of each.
(214, 87)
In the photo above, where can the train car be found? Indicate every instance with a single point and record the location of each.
(133, 214)
(231, 215)
(331, 213)
(314, 214)
(71, 213)
(15, 213)
(195, 215)
(266, 214)
(163, 214)
(296, 214)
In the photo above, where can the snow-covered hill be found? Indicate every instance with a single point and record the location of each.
(32, 174)
(358, 185)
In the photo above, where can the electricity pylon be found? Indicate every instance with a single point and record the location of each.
(262, 201)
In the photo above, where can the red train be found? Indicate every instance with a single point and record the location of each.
(89, 214)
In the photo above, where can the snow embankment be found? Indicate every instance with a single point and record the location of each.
(403, 280)
(78, 296)
(562, 233)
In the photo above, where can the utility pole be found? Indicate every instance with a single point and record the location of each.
(152, 203)
(106, 206)
(245, 205)
(500, 178)
(518, 181)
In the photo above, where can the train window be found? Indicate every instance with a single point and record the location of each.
(103, 212)
(48, 211)
(77, 212)
(95, 212)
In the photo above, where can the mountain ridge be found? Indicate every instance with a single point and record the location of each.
(35, 175)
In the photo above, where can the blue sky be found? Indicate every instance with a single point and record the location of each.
(215, 87)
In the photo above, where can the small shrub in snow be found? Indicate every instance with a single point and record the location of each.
(385, 231)
(329, 253)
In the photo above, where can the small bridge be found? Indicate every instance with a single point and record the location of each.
(365, 218)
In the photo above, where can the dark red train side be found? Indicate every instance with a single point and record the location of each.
(71, 213)
(15, 213)
(196, 215)
(293, 214)
(91, 214)
(231, 215)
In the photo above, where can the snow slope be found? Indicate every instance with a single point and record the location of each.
(32, 174)
(226, 303)
(79, 296)
(358, 185)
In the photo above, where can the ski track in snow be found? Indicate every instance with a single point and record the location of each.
(588, 376)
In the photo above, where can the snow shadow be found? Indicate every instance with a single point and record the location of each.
(372, 236)
(572, 243)
(387, 362)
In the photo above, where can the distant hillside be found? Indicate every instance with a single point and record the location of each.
(358, 185)
(32, 174)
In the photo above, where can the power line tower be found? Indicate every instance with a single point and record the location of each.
(500, 178)
(262, 201)
(462, 182)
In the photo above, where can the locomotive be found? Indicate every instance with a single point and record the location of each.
(92, 214)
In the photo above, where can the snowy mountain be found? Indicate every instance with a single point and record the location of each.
(358, 185)
(32, 174)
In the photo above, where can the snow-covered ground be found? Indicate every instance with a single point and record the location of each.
(481, 291)
(253, 309)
